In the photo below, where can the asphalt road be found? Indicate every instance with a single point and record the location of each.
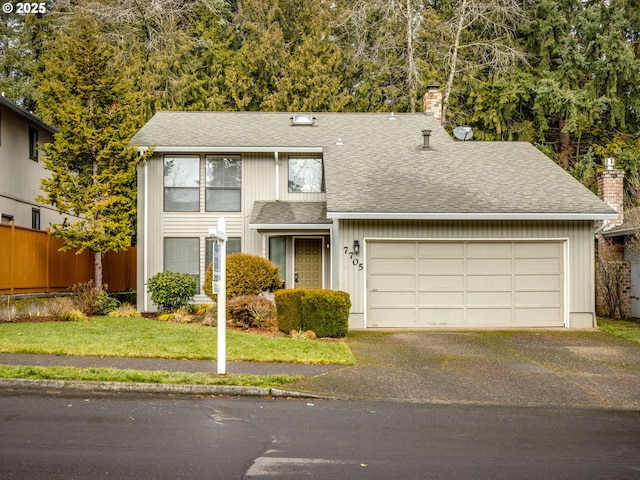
(135, 437)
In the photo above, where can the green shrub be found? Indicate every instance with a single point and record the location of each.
(251, 311)
(325, 312)
(289, 309)
(246, 275)
(93, 300)
(171, 290)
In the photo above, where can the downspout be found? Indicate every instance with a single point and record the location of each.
(275, 157)
(145, 267)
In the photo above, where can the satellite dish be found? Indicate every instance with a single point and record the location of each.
(463, 133)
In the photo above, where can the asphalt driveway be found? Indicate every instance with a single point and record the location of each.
(539, 368)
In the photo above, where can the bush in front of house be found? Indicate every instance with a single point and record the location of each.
(325, 312)
(171, 290)
(65, 309)
(93, 300)
(246, 275)
(251, 311)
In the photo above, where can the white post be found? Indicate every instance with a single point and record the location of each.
(221, 289)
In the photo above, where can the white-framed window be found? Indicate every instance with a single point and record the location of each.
(182, 255)
(35, 218)
(33, 144)
(182, 183)
(306, 175)
(278, 254)
(223, 183)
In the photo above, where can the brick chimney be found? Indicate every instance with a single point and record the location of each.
(611, 190)
(433, 102)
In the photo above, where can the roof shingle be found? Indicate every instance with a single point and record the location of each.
(381, 167)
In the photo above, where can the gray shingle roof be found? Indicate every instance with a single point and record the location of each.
(381, 168)
(289, 213)
(27, 115)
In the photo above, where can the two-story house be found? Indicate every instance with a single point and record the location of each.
(21, 135)
(420, 229)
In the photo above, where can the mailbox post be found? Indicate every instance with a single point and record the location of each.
(219, 287)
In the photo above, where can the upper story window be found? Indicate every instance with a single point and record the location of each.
(182, 183)
(35, 218)
(224, 183)
(33, 144)
(306, 175)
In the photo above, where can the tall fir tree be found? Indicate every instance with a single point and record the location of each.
(83, 93)
(22, 39)
(286, 58)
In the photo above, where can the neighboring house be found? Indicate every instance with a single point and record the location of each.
(617, 250)
(420, 229)
(21, 135)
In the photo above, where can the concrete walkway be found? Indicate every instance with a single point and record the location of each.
(534, 368)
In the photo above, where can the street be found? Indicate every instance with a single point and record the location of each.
(145, 437)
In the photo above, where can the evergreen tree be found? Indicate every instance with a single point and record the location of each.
(83, 93)
(22, 40)
(286, 59)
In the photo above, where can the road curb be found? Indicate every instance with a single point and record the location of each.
(158, 388)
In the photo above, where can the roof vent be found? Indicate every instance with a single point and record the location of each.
(426, 135)
(302, 119)
(610, 163)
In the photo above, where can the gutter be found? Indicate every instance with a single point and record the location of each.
(228, 149)
(469, 216)
(290, 226)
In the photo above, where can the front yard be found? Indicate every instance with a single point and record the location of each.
(147, 338)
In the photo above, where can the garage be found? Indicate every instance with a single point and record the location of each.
(492, 284)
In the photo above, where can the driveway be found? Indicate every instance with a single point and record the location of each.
(533, 368)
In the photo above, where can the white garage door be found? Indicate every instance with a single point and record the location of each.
(465, 284)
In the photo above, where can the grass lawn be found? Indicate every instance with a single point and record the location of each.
(145, 338)
(141, 376)
(620, 328)
(140, 337)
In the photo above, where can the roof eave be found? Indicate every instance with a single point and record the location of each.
(470, 216)
(230, 149)
(290, 226)
(27, 115)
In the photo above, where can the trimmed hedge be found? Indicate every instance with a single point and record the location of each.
(172, 290)
(325, 312)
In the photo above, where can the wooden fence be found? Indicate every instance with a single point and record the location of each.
(31, 262)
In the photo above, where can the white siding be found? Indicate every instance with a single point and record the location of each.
(19, 175)
(154, 224)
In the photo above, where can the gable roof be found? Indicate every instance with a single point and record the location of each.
(375, 165)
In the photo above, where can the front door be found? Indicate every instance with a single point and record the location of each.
(308, 263)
